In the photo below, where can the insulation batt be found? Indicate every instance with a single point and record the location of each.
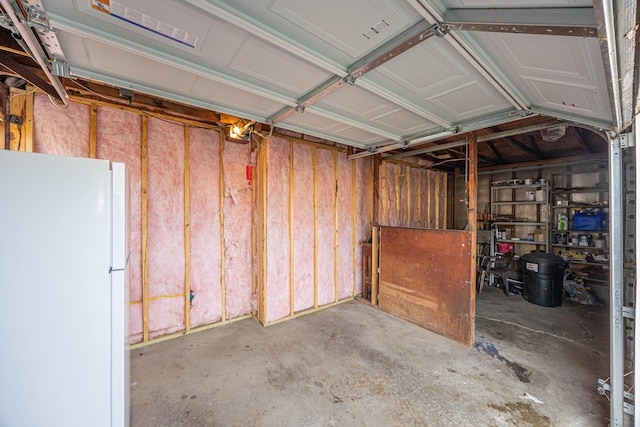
(303, 227)
(60, 131)
(118, 140)
(345, 228)
(277, 246)
(204, 226)
(237, 229)
(326, 227)
(166, 258)
(363, 226)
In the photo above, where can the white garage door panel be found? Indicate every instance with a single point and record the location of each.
(466, 101)
(453, 4)
(403, 122)
(217, 93)
(269, 64)
(574, 99)
(323, 125)
(129, 66)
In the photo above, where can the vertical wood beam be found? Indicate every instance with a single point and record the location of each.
(472, 191)
(396, 185)
(421, 176)
(354, 230)
(7, 114)
(291, 233)
(429, 197)
(17, 107)
(187, 235)
(254, 230)
(383, 194)
(454, 197)
(374, 265)
(375, 185)
(335, 226)
(28, 120)
(407, 171)
(93, 131)
(223, 246)
(262, 231)
(437, 194)
(314, 165)
(144, 226)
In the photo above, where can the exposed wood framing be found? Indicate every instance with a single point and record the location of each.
(429, 193)
(354, 233)
(321, 145)
(314, 165)
(309, 311)
(374, 265)
(291, 234)
(262, 232)
(28, 119)
(30, 74)
(375, 186)
(187, 235)
(6, 112)
(93, 131)
(437, 193)
(383, 191)
(17, 108)
(144, 227)
(407, 174)
(254, 232)
(472, 191)
(420, 221)
(396, 183)
(223, 246)
(335, 226)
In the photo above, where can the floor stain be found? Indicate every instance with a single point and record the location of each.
(522, 414)
(523, 374)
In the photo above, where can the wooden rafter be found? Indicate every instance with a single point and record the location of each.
(27, 73)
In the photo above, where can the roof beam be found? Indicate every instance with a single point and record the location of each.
(30, 74)
(575, 21)
(495, 153)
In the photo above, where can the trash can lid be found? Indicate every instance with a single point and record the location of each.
(542, 258)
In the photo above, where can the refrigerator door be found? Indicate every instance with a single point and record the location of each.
(119, 295)
(55, 302)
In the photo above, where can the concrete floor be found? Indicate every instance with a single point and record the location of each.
(353, 365)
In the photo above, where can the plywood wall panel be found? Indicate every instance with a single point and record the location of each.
(118, 140)
(60, 131)
(166, 258)
(277, 222)
(345, 228)
(326, 228)
(303, 227)
(237, 229)
(205, 249)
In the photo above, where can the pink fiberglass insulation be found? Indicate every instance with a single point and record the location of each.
(345, 228)
(363, 227)
(326, 227)
(416, 199)
(118, 140)
(166, 315)
(303, 227)
(204, 226)
(277, 275)
(60, 131)
(238, 212)
(165, 154)
(135, 323)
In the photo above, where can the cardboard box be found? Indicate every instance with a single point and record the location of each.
(539, 235)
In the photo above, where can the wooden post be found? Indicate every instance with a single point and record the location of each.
(223, 246)
(437, 194)
(383, 194)
(396, 186)
(262, 232)
(430, 222)
(28, 120)
(254, 232)
(187, 236)
(420, 221)
(93, 131)
(17, 107)
(374, 265)
(314, 165)
(144, 201)
(335, 226)
(291, 234)
(375, 185)
(473, 211)
(407, 171)
(354, 231)
(454, 197)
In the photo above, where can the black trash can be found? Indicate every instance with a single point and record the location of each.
(543, 278)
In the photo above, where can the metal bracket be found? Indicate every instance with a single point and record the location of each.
(629, 312)
(439, 29)
(604, 386)
(372, 149)
(300, 108)
(350, 79)
(60, 68)
(627, 140)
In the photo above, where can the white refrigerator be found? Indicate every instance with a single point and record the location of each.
(64, 250)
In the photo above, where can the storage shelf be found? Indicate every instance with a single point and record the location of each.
(522, 242)
(558, 245)
(540, 186)
(579, 190)
(600, 264)
(580, 231)
(579, 207)
(519, 223)
(521, 202)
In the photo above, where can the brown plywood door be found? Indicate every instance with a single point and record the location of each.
(425, 278)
